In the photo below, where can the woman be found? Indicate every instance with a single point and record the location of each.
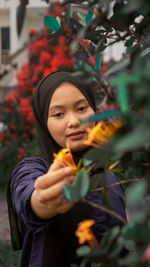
(36, 186)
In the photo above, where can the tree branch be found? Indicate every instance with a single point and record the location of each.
(102, 208)
(120, 182)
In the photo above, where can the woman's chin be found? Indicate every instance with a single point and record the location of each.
(77, 146)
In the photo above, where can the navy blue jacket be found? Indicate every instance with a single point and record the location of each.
(33, 228)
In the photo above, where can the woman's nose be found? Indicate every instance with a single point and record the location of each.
(73, 121)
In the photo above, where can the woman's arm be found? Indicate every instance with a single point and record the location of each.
(46, 198)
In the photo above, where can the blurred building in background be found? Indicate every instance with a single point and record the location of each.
(13, 46)
(9, 40)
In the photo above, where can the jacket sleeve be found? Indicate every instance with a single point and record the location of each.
(21, 188)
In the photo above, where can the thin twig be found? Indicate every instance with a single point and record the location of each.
(120, 182)
(91, 167)
(102, 208)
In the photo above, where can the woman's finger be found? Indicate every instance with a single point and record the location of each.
(53, 191)
(55, 166)
(51, 178)
(66, 206)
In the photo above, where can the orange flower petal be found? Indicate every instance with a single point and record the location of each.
(64, 158)
(84, 232)
(102, 132)
(85, 224)
(84, 236)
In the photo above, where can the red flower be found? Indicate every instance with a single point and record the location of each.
(27, 127)
(9, 98)
(24, 102)
(46, 72)
(13, 135)
(15, 93)
(12, 126)
(103, 69)
(2, 136)
(24, 135)
(30, 117)
(19, 156)
(38, 46)
(21, 150)
(7, 109)
(33, 32)
(44, 58)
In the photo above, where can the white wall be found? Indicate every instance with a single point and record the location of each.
(35, 12)
(114, 52)
(32, 3)
(4, 18)
(34, 19)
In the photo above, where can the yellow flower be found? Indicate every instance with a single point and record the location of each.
(64, 158)
(84, 233)
(102, 132)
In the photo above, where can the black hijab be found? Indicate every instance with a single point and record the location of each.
(41, 100)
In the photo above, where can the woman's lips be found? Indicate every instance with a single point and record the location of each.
(76, 135)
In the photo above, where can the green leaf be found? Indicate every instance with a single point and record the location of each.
(88, 17)
(97, 62)
(138, 233)
(121, 91)
(130, 41)
(102, 116)
(68, 14)
(139, 137)
(137, 216)
(131, 6)
(145, 52)
(122, 97)
(82, 182)
(81, 16)
(97, 154)
(80, 189)
(136, 204)
(105, 199)
(52, 23)
(68, 191)
(83, 250)
(117, 67)
(74, 46)
(87, 67)
(136, 193)
(132, 259)
(58, 20)
(79, 163)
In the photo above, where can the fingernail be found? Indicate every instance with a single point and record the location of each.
(68, 170)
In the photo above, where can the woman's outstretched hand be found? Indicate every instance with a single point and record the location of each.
(46, 199)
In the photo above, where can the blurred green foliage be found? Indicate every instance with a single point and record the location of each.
(8, 257)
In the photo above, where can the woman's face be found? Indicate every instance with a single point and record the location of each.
(67, 106)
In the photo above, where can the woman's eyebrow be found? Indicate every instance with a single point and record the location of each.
(83, 100)
(56, 107)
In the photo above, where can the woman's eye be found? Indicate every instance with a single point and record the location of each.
(58, 115)
(82, 108)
